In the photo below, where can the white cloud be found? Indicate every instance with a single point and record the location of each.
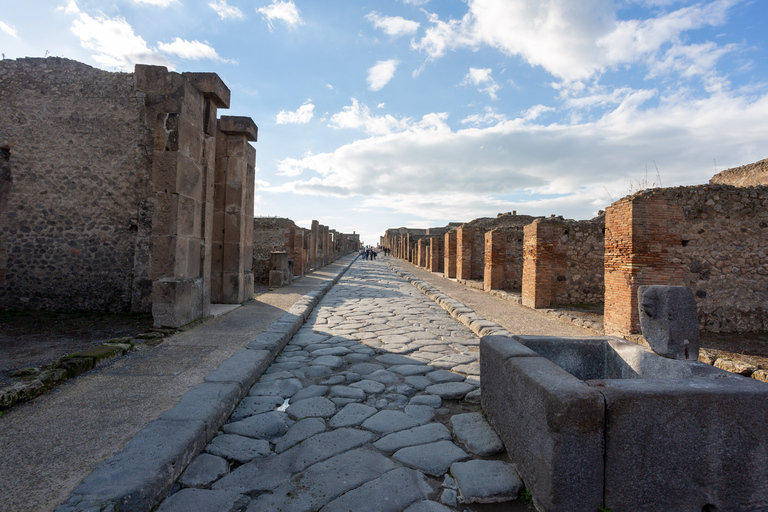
(571, 40)
(329, 86)
(490, 116)
(359, 116)
(380, 74)
(301, 116)
(113, 40)
(394, 26)
(226, 11)
(415, 2)
(160, 3)
(189, 50)
(525, 159)
(287, 12)
(479, 77)
(8, 30)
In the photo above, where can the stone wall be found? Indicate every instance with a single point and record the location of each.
(751, 175)
(449, 254)
(711, 238)
(503, 259)
(421, 253)
(563, 262)
(436, 255)
(111, 196)
(275, 234)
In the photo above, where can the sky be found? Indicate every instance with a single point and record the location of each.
(379, 114)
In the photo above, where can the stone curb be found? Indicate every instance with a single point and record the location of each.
(139, 476)
(459, 311)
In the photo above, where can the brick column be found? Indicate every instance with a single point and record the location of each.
(421, 253)
(495, 252)
(436, 256)
(537, 265)
(449, 267)
(313, 243)
(464, 241)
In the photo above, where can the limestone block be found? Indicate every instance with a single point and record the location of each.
(212, 86)
(669, 320)
(239, 125)
(275, 278)
(176, 302)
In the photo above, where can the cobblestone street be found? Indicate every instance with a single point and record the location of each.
(373, 405)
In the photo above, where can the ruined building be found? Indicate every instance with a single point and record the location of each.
(122, 191)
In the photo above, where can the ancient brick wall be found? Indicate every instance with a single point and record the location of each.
(421, 253)
(563, 262)
(74, 168)
(450, 255)
(751, 175)
(503, 259)
(470, 252)
(711, 238)
(436, 255)
(273, 234)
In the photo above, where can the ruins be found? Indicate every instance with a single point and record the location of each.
(127, 192)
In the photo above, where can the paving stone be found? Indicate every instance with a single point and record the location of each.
(449, 362)
(204, 470)
(391, 492)
(285, 388)
(341, 402)
(279, 367)
(468, 369)
(199, 500)
(448, 497)
(333, 362)
(369, 386)
(473, 397)
(476, 434)
(394, 359)
(396, 339)
(395, 401)
(315, 407)
(356, 358)
(239, 448)
(323, 482)
(433, 458)
(351, 415)
(386, 421)
(428, 506)
(333, 380)
(365, 368)
(450, 390)
(268, 425)
(347, 392)
(300, 431)
(331, 351)
(411, 369)
(421, 413)
(309, 392)
(418, 381)
(252, 405)
(400, 349)
(268, 473)
(351, 376)
(383, 376)
(486, 481)
(433, 401)
(402, 389)
(440, 376)
(269, 376)
(316, 371)
(425, 434)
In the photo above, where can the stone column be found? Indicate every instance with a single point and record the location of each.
(313, 243)
(449, 268)
(231, 274)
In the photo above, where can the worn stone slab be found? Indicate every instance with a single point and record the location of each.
(268, 425)
(394, 359)
(309, 392)
(418, 381)
(486, 481)
(316, 371)
(332, 362)
(441, 376)
(331, 351)
(204, 470)
(425, 434)
(421, 413)
(391, 492)
(384, 422)
(395, 339)
(352, 414)
(669, 320)
(285, 388)
(433, 401)
(323, 482)
(476, 434)
(347, 392)
(411, 369)
(450, 390)
(300, 431)
(316, 407)
(239, 448)
(448, 362)
(271, 341)
(433, 458)
(468, 369)
(383, 376)
(369, 386)
(243, 367)
(199, 500)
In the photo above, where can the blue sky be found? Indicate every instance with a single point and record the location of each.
(377, 114)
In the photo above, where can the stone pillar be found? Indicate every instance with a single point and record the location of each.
(231, 274)
(464, 240)
(449, 268)
(503, 259)
(299, 252)
(544, 265)
(436, 256)
(421, 253)
(181, 111)
(313, 244)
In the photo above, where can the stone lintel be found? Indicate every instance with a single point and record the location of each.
(211, 86)
(239, 125)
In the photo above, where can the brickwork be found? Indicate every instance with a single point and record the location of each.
(436, 255)
(275, 234)
(711, 238)
(421, 253)
(450, 256)
(503, 259)
(112, 197)
(751, 175)
(563, 262)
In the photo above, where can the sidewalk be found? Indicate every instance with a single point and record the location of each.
(50, 444)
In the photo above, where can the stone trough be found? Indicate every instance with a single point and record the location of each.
(600, 421)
